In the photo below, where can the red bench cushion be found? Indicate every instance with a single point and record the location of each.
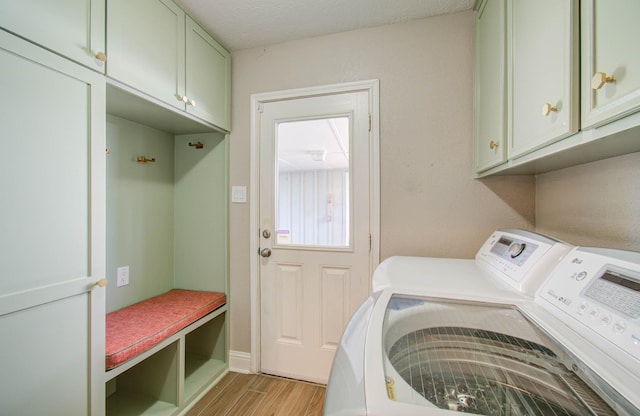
(134, 329)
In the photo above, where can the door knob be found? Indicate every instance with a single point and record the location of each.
(265, 252)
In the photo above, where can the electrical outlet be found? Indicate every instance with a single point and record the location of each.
(123, 276)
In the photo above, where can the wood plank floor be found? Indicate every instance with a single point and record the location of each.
(260, 395)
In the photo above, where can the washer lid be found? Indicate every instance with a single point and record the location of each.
(479, 358)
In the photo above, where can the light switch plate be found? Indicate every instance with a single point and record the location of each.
(239, 194)
(123, 276)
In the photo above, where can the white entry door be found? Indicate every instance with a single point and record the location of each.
(315, 236)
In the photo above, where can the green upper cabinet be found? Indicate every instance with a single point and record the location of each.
(571, 87)
(155, 48)
(79, 27)
(610, 60)
(490, 80)
(146, 47)
(543, 73)
(208, 78)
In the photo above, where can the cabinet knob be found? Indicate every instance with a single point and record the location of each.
(599, 79)
(102, 282)
(548, 108)
(493, 145)
(182, 98)
(100, 56)
(192, 103)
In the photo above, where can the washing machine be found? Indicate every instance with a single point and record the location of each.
(532, 326)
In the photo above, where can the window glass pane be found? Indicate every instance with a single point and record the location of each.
(312, 192)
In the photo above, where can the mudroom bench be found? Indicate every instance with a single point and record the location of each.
(165, 352)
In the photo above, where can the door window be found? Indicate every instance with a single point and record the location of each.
(312, 176)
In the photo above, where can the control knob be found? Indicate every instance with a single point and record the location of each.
(515, 249)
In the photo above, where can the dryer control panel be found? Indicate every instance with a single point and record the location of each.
(599, 289)
(521, 258)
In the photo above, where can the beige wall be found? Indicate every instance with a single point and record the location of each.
(595, 204)
(430, 205)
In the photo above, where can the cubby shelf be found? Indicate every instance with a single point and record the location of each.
(171, 376)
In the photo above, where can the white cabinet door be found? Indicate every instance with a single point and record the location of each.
(610, 33)
(208, 83)
(543, 73)
(52, 233)
(79, 26)
(146, 47)
(490, 81)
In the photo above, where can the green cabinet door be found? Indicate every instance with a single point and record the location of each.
(610, 33)
(52, 233)
(155, 48)
(543, 46)
(72, 28)
(145, 41)
(208, 82)
(490, 81)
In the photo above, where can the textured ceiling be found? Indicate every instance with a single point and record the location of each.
(242, 24)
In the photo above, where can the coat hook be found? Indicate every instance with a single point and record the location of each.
(198, 145)
(143, 159)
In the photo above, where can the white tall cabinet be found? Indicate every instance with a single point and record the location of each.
(52, 233)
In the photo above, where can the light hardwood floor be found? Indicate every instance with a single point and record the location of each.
(260, 395)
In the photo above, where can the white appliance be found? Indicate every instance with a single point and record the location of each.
(533, 326)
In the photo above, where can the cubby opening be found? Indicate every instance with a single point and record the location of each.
(149, 387)
(205, 355)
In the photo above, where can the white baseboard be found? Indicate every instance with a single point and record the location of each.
(240, 362)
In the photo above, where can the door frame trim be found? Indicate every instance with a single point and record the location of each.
(373, 89)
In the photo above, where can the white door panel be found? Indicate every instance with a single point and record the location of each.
(314, 208)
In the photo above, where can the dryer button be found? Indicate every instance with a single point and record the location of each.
(593, 313)
(605, 320)
(582, 308)
(619, 327)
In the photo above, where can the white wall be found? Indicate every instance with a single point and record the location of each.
(595, 204)
(430, 203)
